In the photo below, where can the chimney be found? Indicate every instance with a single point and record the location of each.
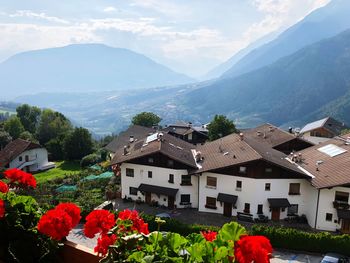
(347, 140)
(160, 136)
(198, 156)
(125, 150)
(241, 136)
(300, 157)
(290, 130)
(131, 139)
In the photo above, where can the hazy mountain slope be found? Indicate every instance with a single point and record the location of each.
(83, 68)
(290, 89)
(222, 68)
(322, 23)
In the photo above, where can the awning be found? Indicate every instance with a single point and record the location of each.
(278, 202)
(226, 198)
(157, 189)
(343, 214)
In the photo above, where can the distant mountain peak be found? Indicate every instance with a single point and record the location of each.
(83, 68)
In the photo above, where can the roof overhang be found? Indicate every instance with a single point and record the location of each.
(158, 189)
(278, 202)
(226, 198)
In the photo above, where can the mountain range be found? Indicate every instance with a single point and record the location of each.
(83, 68)
(300, 75)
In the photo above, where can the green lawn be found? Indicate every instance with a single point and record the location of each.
(62, 169)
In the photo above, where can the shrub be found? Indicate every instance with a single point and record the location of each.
(288, 238)
(90, 159)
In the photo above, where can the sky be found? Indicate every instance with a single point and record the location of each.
(189, 36)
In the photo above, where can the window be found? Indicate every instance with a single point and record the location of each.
(267, 186)
(211, 181)
(239, 185)
(186, 179)
(246, 208)
(133, 190)
(260, 209)
(294, 188)
(268, 170)
(242, 169)
(20, 158)
(329, 217)
(211, 202)
(171, 178)
(292, 210)
(185, 199)
(129, 172)
(170, 163)
(150, 174)
(150, 160)
(342, 197)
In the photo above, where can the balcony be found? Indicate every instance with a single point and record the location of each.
(341, 205)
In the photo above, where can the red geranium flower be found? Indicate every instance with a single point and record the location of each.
(3, 187)
(72, 210)
(18, 177)
(103, 243)
(55, 223)
(253, 249)
(209, 235)
(2, 208)
(98, 221)
(137, 222)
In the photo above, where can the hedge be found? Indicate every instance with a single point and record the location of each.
(173, 225)
(293, 239)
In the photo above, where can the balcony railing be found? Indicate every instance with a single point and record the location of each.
(341, 205)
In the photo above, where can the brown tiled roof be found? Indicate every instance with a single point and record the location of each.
(269, 134)
(15, 148)
(231, 150)
(331, 171)
(139, 132)
(170, 146)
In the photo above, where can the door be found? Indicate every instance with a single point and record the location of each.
(345, 226)
(275, 214)
(148, 198)
(171, 202)
(27, 158)
(227, 209)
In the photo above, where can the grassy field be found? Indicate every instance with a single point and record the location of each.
(62, 169)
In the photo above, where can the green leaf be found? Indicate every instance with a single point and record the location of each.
(221, 253)
(231, 231)
(176, 241)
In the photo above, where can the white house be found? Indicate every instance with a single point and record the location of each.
(322, 130)
(329, 164)
(247, 175)
(156, 170)
(25, 155)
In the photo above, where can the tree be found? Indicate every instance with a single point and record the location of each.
(55, 148)
(219, 127)
(29, 117)
(147, 119)
(52, 125)
(5, 138)
(78, 144)
(14, 127)
(26, 135)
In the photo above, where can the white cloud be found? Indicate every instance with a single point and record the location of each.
(42, 15)
(109, 9)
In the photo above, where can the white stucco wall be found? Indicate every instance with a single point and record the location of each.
(253, 192)
(37, 160)
(160, 177)
(327, 196)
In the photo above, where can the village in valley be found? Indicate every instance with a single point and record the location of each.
(294, 177)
